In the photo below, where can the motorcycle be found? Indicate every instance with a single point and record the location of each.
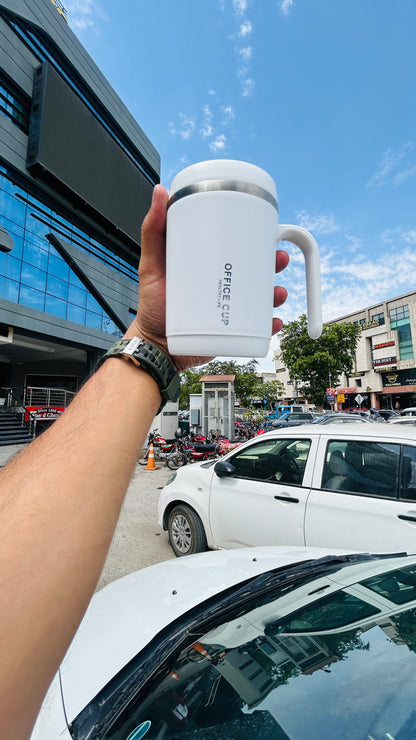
(189, 451)
(162, 449)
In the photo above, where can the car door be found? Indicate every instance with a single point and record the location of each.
(360, 498)
(263, 502)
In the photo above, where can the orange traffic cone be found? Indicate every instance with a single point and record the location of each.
(151, 459)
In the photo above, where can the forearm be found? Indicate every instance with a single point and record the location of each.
(69, 483)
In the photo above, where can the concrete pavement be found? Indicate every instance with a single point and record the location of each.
(138, 540)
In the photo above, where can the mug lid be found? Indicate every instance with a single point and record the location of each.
(223, 169)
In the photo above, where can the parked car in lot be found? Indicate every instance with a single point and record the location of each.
(339, 418)
(264, 644)
(403, 420)
(410, 411)
(387, 413)
(314, 485)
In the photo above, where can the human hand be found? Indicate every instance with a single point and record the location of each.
(150, 320)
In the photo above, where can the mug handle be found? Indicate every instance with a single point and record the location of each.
(307, 244)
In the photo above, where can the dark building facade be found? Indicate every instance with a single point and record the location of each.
(76, 177)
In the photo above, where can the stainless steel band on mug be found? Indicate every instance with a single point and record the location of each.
(238, 186)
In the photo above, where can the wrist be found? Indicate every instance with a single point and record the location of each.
(151, 359)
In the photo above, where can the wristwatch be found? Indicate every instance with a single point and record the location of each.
(153, 361)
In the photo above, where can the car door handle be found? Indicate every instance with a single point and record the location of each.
(288, 499)
(407, 517)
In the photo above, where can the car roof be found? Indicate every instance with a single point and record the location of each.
(379, 429)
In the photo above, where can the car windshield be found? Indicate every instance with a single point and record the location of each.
(248, 676)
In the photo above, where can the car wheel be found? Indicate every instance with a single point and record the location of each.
(186, 531)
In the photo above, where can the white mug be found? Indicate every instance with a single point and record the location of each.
(220, 261)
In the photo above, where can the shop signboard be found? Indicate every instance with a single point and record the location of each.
(44, 413)
(330, 395)
(384, 361)
(399, 377)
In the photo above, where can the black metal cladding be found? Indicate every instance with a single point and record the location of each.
(69, 147)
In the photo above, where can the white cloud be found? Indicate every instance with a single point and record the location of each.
(245, 28)
(228, 113)
(240, 7)
(247, 87)
(81, 13)
(218, 144)
(285, 6)
(246, 53)
(318, 223)
(396, 166)
(206, 130)
(186, 126)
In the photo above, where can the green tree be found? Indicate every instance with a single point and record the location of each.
(190, 383)
(270, 390)
(245, 384)
(311, 362)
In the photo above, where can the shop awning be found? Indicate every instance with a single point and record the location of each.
(399, 389)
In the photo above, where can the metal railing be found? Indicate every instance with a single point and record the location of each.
(13, 403)
(36, 396)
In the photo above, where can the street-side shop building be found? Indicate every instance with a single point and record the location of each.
(384, 372)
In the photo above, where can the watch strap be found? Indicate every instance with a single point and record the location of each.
(153, 361)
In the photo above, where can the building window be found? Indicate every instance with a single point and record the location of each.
(400, 322)
(402, 312)
(34, 275)
(379, 317)
(14, 104)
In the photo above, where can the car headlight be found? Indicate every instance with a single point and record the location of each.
(171, 478)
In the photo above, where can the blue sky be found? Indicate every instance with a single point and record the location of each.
(320, 93)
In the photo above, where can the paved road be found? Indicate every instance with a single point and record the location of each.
(138, 540)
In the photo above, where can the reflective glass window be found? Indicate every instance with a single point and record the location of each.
(58, 267)
(75, 313)
(17, 250)
(31, 298)
(9, 290)
(12, 208)
(55, 306)
(74, 280)
(57, 287)
(35, 256)
(9, 267)
(109, 326)
(77, 295)
(33, 277)
(35, 226)
(93, 305)
(93, 320)
(11, 226)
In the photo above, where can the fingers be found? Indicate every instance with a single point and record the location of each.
(154, 230)
(282, 260)
(280, 295)
(277, 325)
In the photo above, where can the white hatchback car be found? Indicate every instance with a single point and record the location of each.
(349, 486)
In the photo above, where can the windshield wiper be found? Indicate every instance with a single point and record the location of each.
(103, 711)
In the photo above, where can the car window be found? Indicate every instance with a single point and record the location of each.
(399, 586)
(370, 468)
(408, 474)
(274, 460)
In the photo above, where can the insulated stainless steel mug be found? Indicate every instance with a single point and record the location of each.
(222, 229)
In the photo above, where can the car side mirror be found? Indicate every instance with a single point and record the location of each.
(224, 469)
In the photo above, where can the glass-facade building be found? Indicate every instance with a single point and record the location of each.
(68, 285)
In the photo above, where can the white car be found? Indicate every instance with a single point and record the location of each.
(264, 644)
(349, 486)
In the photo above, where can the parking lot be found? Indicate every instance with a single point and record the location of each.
(138, 540)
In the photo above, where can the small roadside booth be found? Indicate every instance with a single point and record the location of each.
(218, 399)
